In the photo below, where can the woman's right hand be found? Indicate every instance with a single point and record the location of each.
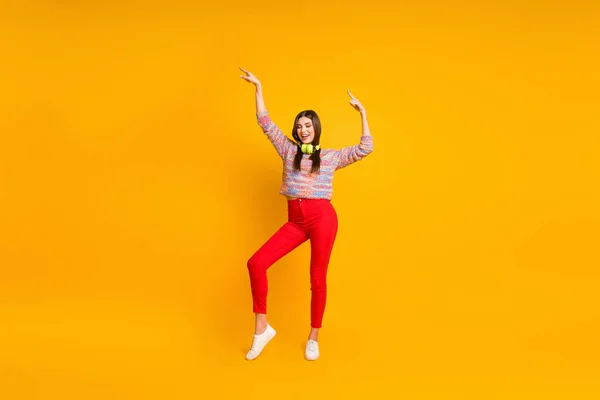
(249, 77)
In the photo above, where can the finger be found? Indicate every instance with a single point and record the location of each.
(246, 72)
(351, 94)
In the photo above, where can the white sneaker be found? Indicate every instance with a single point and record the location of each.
(260, 341)
(312, 350)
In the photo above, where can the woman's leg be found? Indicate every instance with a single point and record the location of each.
(322, 238)
(286, 239)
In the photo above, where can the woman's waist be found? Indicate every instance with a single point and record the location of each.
(304, 206)
(293, 199)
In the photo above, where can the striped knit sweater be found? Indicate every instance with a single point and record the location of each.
(303, 184)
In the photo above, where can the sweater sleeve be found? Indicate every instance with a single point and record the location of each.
(283, 145)
(352, 154)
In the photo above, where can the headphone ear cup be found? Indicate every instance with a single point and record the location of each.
(307, 148)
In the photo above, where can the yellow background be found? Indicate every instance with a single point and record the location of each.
(135, 184)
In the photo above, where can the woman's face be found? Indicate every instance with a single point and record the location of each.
(305, 130)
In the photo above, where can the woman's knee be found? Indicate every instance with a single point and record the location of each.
(254, 265)
(318, 284)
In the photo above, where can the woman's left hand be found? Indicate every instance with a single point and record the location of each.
(356, 104)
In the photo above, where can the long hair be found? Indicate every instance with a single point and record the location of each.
(316, 155)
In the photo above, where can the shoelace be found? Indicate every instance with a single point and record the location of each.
(254, 342)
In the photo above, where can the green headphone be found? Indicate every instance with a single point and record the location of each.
(308, 148)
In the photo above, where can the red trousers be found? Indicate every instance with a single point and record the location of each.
(313, 219)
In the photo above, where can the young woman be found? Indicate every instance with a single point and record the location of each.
(307, 184)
